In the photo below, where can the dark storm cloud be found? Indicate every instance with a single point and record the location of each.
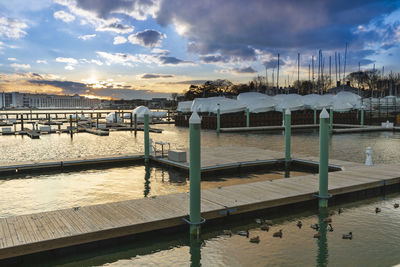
(148, 38)
(213, 59)
(244, 70)
(172, 60)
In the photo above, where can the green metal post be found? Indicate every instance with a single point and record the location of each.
(315, 115)
(218, 118)
(323, 158)
(287, 134)
(362, 116)
(146, 137)
(194, 174)
(331, 119)
(135, 121)
(247, 118)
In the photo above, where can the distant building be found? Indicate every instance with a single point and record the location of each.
(25, 100)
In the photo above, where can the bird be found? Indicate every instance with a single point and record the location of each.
(332, 212)
(264, 227)
(268, 222)
(255, 239)
(330, 228)
(278, 234)
(227, 232)
(377, 210)
(340, 210)
(258, 221)
(244, 233)
(317, 235)
(396, 205)
(348, 236)
(328, 220)
(299, 224)
(315, 226)
(76, 208)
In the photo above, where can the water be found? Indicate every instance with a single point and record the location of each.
(349, 147)
(375, 242)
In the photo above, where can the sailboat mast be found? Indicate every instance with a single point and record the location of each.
(277, 77)
(298, 73)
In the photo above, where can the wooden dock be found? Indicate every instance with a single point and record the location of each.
(31, 133)
(54, 165)
(26, 234)
(267, 128)
(97, 131)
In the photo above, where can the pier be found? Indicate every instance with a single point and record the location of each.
(27, 234)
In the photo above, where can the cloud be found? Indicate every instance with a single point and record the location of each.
(137, 9)
(20, 66)
(213, 59)
(243, 70)
(156, 76)
(68, 60)
(119, 40)
(12, 28)
(69, 67)
(147, 38)
(127, 59)
(64, 16)
(194, 82)
(236, 29)
(160, 51)
(86, 37)
(41, 61)
(11, 59)
(97, 62)
(115, 26)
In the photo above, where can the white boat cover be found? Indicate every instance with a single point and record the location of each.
(210, 105)
(318, 102)
(291, 101)
(347, 97)
(139, 111)
(159, 114)
(184, 106)
(112, 117)
(257, 102)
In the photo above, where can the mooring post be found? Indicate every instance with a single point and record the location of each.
(247, 118)
(194, 174)
(330, 119)
(70, 125)
(135, 121)
(131, 121)
(218, 118)
(283, 117)
(368, 159)
(362, 116)
(22, 122)
(315, 115)
(146, 136)
(288, 133)
(323, 158)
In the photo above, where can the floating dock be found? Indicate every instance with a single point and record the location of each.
(27, 234)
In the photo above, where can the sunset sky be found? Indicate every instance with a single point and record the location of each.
(151, 48)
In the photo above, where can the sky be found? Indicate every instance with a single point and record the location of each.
(151, 48)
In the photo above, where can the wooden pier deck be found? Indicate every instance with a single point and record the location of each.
(26, 234)
(31, 133)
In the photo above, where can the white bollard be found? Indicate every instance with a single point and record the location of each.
(368, 160)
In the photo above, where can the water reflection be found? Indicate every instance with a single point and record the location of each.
(147, 180)
(195, 252)
(322, 257)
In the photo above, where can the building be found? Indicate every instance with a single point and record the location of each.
(25, 100)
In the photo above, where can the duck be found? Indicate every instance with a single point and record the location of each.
(396, 205)
(317, 235)
(299, 224)
(328, 220)
(377, 210)
(330, 228)
(255, 239)
(278, 234)
(76, 208)
(227, 232)
(268, 222)
(258, 221)
(340, 210)
(315, 226)
(264, 227)
(244, 233)
(348, 236)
